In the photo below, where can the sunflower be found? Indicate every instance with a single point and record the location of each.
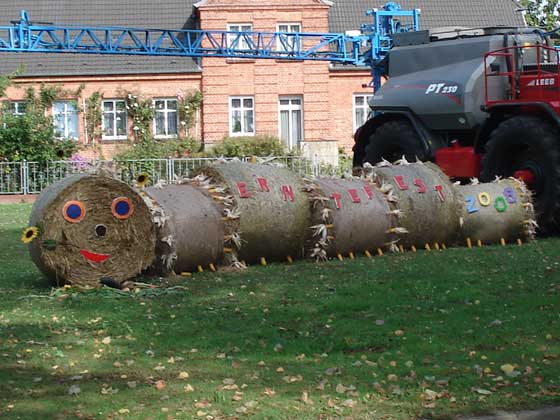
(29, 234)
(142, 179)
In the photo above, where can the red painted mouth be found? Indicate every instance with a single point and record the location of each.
(93, 257)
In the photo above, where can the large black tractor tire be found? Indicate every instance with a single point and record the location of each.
(527, 142)
(393, 140)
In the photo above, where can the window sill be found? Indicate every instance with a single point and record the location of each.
(113, 140)
(240, 60)
(288, 60)
(171, 137)
(242, 134)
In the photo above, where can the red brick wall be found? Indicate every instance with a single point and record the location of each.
(149, 86)
(343, 85)
(265, 79)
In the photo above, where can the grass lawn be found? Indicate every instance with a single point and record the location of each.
(403, 336)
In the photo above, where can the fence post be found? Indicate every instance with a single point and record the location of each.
(170, 170)
(24, 177)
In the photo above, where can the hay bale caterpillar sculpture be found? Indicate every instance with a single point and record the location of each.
(90, 227)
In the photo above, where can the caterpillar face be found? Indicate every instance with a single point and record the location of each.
(96, 227)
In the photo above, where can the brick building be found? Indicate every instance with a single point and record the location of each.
(314, 105)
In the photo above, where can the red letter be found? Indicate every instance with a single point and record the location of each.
(400, 182)
(354, 195)
(439, 189)
(368, 191)
(242, 189)
(336, 197)
(288, 192)
(421, 187)
(263, 184)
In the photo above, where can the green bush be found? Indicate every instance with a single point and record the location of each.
(32, 136)
(249, 146)
(160, 149)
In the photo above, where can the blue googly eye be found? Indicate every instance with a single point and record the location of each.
(122, 208)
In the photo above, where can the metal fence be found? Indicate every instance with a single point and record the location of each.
(32, 177)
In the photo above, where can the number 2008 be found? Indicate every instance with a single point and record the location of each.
(484, 199)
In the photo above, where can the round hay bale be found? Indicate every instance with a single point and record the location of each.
(495, 211)
(348, 216)
(265, 209)
(427, 199)
(90, 227)
(193, 234)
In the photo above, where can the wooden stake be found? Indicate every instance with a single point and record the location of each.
(503, 242)
(379, 252)
(469, 243)
(340, 257)
(368, 254)
(427, 246)
(212, 267)
(200, 269)
(413, 248)
(519, 242)
(351, 255)
(401, 248)
(479, 243)
(290, 260)
(263, 261)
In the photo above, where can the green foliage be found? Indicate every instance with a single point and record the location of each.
(32, 136)
(94, 115)
(542, 13)
(249, 146)
(141, 111)
(187, 106)
(160, 149)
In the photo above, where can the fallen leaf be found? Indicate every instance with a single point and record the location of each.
(341, 389)
(482, 391)
(269, 392)
(160, 384)
(183, 375)
(74, 390)
(202, 404)
(106, 340)
(124, 411)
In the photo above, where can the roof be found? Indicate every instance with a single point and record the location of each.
(171, 14)
(175, 14)
(349, 14)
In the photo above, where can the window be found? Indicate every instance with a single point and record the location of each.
(165, 121)
(16, 108)
(239, 41)
(65, 116)
(241, 116)
(288, 42)
(361, 109)
(114, 120)
(291, 120)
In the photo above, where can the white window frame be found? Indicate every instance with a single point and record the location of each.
(67, 114)
(292, 144)
(238, 27)
(16, 111)
(365, 107)
(290, 25)
(166, 111)
(242, 109)
(114, 111)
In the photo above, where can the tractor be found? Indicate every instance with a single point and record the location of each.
(479, 103)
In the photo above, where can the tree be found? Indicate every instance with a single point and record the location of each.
(542, 13)
(31, 135)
